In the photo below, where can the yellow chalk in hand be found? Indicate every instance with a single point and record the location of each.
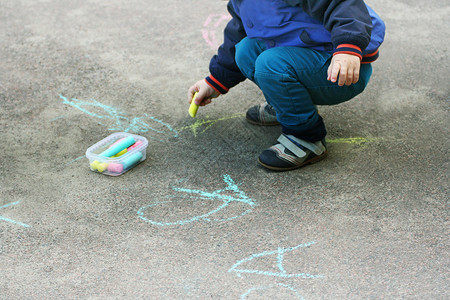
(194, 107)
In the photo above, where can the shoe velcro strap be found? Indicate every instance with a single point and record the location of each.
(318, 148)
(283, 140)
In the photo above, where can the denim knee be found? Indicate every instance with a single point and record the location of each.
(273, 63)
(247, 52)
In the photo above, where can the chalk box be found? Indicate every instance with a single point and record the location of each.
(108, 165)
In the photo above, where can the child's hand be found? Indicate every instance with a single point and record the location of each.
(346, 66)
(205, 93)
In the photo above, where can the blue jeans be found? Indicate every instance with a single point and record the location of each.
(294, 81)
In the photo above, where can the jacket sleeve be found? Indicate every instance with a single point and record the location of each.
(224, 73)
(349, 22)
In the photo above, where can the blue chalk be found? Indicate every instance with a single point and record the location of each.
(113, 150)
(132, 160)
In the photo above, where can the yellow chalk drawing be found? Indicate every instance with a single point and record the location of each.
(360, 141)
(199, 123)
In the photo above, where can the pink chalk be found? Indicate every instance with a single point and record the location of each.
(138, 143)
(209, 35)
(115, 168)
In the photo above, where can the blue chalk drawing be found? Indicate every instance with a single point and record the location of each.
(12, 221)
(260, 288)
(76, 159)
(57, 118)
(120, 119)
(279, 253)
(282, 274)
(218, 195)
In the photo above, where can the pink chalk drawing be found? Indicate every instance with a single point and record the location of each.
(212, 23)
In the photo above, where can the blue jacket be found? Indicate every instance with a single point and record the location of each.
(334, 26)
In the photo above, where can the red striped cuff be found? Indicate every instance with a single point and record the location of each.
(348, 49)
(371, 57)
(216, 85)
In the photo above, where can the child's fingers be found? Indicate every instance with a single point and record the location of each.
(335, 70)
(204, 93)
(344, 68)
(356, 75)
(329, 72)
(349, 79)
(205, 101)
(342, 75)
(192, 90)
(201, 97)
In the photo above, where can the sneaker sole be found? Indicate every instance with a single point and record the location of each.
(308, 162)
(262, 124)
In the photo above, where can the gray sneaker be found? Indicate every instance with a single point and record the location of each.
(290, 153)
(262, 114)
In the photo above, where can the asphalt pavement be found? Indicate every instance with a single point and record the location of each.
(199, 218)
